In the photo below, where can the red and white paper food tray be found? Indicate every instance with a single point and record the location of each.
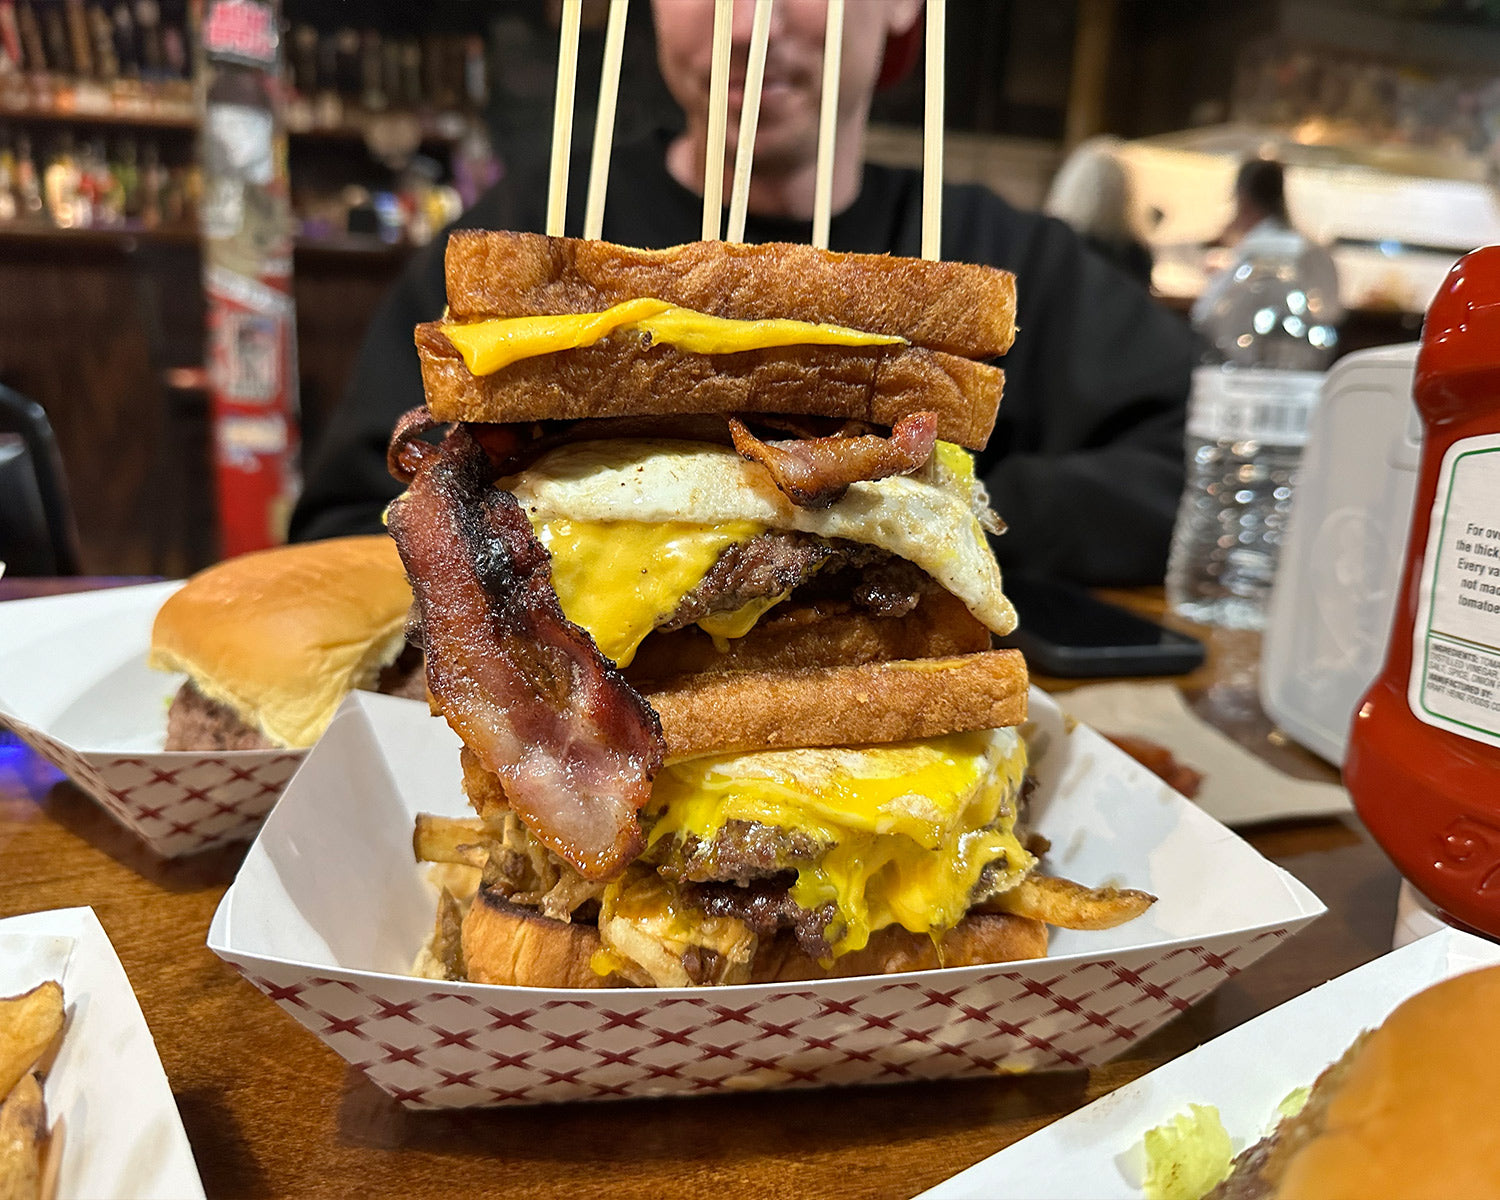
(122, 1134)
(329, 910)
(1097, 1151)
(75, 687)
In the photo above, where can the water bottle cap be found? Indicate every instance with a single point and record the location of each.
(1275, 241)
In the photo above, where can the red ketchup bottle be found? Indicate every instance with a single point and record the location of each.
(1423, 763)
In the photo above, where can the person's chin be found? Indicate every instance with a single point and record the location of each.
(785, 148)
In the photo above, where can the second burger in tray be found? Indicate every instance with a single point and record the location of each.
(705, 588)
(272, 642)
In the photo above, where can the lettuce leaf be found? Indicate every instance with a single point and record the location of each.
(1293, 1103)
(1187, 1156)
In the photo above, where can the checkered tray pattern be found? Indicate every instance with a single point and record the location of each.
(178, 802)
(435, 1045)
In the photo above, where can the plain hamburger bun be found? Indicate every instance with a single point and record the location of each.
(505, 943)
(281, 636)
(1408, 1112)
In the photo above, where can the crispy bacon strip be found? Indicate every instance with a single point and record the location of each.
(814, 472)
(575, 746)
(406, 452)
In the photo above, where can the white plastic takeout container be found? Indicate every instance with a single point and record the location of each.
(1097, 1151)
(330, 909)
(75, 687)
(122, 1136)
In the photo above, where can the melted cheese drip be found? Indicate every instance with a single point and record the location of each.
(645, 926)
(620, 579)
(910, 826)
(489, 346)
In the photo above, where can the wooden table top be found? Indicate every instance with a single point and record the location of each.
(272, 1111)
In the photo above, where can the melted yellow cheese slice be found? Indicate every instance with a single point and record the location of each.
(620, 579)
(488, 346)
(910, 827)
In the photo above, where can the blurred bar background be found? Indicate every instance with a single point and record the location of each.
(1386, 113)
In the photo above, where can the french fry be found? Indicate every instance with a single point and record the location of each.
(449, 840)
(1070, 905)
(22, 1127)
(28, 1023)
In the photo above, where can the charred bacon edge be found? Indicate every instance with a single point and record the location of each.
(406, 453)
(814, 472)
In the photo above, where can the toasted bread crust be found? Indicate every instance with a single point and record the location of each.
(978, 938)
(794, 637)
(507, 944)
(959, 308)
(735, 712)
(860, 705)
(504, 943)
(625, 377)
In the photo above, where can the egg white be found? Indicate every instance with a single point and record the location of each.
(931, 518)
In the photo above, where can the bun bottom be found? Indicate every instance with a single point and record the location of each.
(508, 944)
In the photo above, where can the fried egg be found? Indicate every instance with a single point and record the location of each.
(932, 518)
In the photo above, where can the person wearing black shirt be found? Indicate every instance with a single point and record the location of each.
(1085, 465)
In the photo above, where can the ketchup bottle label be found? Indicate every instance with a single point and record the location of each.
(1455, 676)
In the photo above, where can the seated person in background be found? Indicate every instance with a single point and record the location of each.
(1091, 192)
(1260, 216)
(1086, 461)
(1259, 201)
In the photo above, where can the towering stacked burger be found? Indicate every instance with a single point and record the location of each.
(705, 589)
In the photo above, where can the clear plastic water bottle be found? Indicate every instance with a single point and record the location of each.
(1268, 325)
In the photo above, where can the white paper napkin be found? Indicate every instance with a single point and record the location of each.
(124, 1137)
(1238, 788)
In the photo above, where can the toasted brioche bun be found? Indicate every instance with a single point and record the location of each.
(622, 377)
(504, 943)
(960, 308)
(859, 705)
(1407, 1112)
(865, 705)
(281, 636)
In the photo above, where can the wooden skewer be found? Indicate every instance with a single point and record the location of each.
(755, 71)
(932, 133)
(833, 53)
(562, 117)
(604, 119)
(718, 120)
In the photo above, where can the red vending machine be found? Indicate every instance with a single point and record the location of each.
(247, 255)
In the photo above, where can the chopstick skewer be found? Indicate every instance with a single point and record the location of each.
(833, 54)
(718, 120)
(562, 117)
(932, 132)
(755, 71)
(604, 120)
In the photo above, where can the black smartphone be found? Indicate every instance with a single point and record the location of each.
(1065, 630)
